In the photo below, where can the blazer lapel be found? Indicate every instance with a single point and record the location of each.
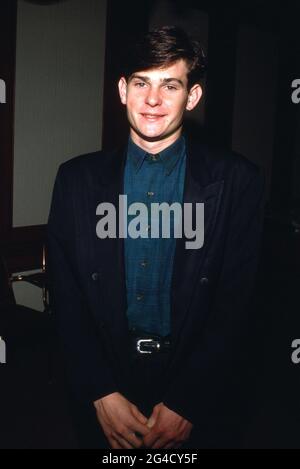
(188, 262)
(110, 251)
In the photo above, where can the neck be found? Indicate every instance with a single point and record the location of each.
(155, 146)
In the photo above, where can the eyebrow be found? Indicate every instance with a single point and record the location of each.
(165, 80)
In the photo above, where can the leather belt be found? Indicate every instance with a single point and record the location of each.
(144, 343)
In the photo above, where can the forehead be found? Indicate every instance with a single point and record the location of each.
(178, 70)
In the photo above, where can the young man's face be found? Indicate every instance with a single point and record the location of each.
(156, 100)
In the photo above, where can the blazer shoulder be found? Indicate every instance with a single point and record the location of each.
(81, 163)
(228, 164)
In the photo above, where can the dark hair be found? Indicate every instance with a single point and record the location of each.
(163, 47)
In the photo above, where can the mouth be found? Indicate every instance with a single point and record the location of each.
(152, 117)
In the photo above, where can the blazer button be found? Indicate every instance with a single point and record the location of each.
(204, 281)
(95, 276)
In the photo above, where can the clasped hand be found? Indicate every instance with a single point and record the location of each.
(126, 427)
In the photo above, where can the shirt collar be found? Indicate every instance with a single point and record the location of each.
(168, 157)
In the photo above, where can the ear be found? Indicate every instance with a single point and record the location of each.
(194, 97)
(123, 90)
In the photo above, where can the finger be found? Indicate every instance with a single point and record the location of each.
(138, 415)
(134, 440)
(151, 439)
(114, 444)
(138, 427)
(162, 443)
(124, 444)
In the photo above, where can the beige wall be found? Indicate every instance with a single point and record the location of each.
(58, 103)
(58, 96)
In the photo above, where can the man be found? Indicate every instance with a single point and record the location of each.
(154, 333)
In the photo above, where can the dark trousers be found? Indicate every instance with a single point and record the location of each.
(146, 391)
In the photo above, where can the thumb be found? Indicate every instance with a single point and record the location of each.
(153, 417)
(151, 421)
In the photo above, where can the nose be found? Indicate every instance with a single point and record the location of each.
(153, 97)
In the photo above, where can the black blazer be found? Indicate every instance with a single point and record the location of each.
(211, 286)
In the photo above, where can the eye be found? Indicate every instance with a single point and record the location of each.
(139, 84)
(171, 88)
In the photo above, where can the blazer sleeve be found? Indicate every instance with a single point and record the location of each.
(88, 370)
(211, 379)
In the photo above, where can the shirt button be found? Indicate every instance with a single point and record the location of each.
(95, 276)
(139, 297)
(148, 228)
(204, 281)
(154, 156)
(144, 263)
(150, 194)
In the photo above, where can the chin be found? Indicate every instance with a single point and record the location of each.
(149, 136)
